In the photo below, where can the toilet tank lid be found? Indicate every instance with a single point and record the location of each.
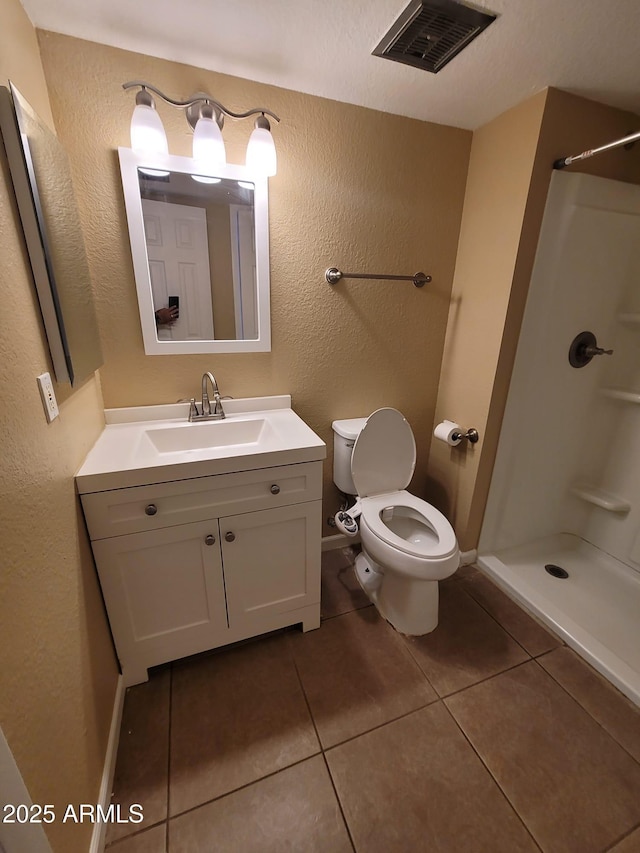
(349, 428)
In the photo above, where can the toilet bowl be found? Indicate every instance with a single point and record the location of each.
(407, 544)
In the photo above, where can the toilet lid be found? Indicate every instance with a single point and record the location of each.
(384, 455)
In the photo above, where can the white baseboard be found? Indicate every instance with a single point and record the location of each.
(108, 772)
(339, 540)
(468, 557)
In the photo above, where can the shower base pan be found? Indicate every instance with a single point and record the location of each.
(596, 609)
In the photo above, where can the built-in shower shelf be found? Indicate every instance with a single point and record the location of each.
(629, 319)
(599, 497)
(621, 394)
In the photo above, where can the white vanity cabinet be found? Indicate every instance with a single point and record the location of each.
(192, 564)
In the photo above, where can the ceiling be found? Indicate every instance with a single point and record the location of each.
(323, 47)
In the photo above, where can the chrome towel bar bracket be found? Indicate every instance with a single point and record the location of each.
(333, 276)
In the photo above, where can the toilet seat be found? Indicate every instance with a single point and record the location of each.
(382, 464)
(384, 454)
(442, 546)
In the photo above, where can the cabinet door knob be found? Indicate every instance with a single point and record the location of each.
(151, 509)
(230, 537)
(210, 539)
(275, 489)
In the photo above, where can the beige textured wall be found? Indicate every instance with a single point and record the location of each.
(502, 156)
(57, 667)
(357, 189)
(508, 183)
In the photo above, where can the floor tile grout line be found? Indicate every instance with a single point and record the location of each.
(125, 838)
(488, 769)
(474, 683)
(242, 787)
(466, 582)
(381, 725)
(304, 694)
(339, 801)
(345, 612)
(539, 655)
(588, 712)
(493, 617)
(324, 750)
(266, 775)
(611, 848)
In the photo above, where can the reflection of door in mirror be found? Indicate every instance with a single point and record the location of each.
(201, 248)
(178, 254)
(243, 261)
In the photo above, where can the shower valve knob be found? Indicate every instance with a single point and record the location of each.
(583, 348)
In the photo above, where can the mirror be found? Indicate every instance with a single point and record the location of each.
(200, 250)
(44, 193)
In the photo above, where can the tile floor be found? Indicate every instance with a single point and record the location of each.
(487, 735)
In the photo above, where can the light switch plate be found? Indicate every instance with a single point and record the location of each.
(48, 396)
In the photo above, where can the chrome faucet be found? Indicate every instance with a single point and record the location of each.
(206, 414)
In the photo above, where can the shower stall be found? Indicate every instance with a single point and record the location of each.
(561, 532)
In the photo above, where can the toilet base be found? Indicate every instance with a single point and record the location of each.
(368, 574)
(410, 606)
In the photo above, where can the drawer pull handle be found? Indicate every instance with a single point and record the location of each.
(230, 537)
(210, 539)
(275, 489)
(151, 509)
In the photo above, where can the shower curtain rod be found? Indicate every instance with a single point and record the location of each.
(567, 161)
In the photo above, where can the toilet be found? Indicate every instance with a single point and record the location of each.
(407, 544)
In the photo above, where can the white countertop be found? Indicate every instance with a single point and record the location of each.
(126, 455)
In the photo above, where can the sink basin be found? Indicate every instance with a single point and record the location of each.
(143, 445)
(210, 434)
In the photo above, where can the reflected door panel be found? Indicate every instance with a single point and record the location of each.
(178, 254)
(243, 261)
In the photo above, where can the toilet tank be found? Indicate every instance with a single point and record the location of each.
(345, 433)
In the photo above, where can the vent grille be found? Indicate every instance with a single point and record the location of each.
(429, 33)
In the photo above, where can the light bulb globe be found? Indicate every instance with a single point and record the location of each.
(261, 153)
(208, 146)
(147, 131)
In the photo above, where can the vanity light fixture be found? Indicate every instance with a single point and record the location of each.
(205, 116)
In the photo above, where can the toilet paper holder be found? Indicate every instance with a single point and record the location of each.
(471, 435)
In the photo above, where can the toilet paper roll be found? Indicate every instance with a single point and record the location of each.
(445, 432)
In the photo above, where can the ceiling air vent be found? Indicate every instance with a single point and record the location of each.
(429, 33)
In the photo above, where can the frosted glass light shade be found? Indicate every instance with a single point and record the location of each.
(261, 153)
(147, 131)
(208, 146)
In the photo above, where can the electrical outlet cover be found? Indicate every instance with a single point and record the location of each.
(48, 396)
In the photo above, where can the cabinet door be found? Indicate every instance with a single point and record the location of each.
(164, 593)
(271, 564)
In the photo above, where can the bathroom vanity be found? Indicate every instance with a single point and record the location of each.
(203, 533)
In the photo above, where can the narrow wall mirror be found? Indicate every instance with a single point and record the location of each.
(200, 250)
(46, 202)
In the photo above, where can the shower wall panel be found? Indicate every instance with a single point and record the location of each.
(562, 429)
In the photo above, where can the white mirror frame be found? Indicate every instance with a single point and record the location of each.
(130, 162)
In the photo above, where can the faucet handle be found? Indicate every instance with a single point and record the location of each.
(193, 409)
(217, 409)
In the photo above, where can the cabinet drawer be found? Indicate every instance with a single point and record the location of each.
(140, 508)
